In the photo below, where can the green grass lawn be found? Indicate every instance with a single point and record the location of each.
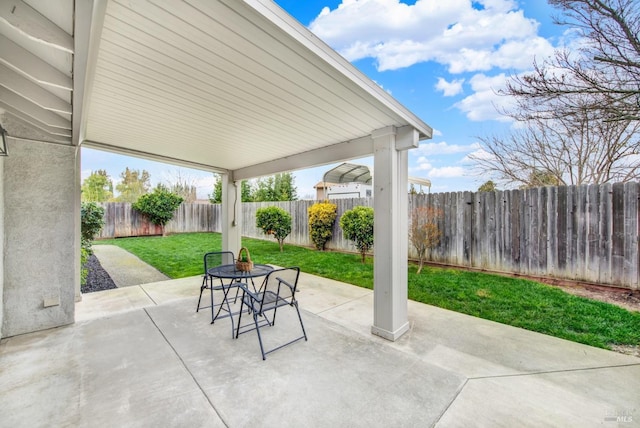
(517, 302)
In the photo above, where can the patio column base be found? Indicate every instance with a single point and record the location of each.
(390, 335)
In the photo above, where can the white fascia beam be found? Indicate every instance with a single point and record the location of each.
(32, 91)
(31, 66)
(30, 22)
(340, 152)
(89, 22)
(33, 110)
(152, 156)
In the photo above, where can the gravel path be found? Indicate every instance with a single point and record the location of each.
(97, 278)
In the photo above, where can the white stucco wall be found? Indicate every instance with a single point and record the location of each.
(40, 237)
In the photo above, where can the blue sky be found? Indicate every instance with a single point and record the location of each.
(442, 59)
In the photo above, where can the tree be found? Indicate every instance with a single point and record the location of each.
(284, 187)
(570, 149)
(605, 69)
(274, 221)
(322, 216)
(97, 187)
(424, 233)
(579, 110)
(216, 196)
(279, 187)
(91, 221)
(357, 226)
(539, 178)
(183, 185)
(245, 191)
(488, 186)
(133, 184)
(158, 206)
(265, 190)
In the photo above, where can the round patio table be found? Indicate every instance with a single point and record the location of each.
(230, 271)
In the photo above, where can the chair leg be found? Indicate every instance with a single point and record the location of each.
(202, 287)
(225, 300)
(240, 315)
(255, 320)
(213, 317)
(304, 333)
(235, 299)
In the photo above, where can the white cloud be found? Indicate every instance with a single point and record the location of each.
(437, 133)
(444, 148)
(485, 103)
(423, 164)
(449, 89)
(204, 186)
(452, 32)
(481, 153)
(448, 172)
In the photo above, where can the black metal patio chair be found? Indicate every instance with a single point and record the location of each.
(277, 290)
(213, 260)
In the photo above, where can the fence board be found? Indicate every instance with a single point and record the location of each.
(593, 213)
(606, 206)
(459, 236)
(581, 221)
(617, 228)
(561, 219)
(543, 238)
(552, 230)
(631, 195)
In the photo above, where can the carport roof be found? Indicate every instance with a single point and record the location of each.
(348, 173)
(224, 85)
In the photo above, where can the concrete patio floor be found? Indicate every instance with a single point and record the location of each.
(141, 356)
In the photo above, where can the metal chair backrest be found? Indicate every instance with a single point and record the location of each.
(217, 258)
(279, 288)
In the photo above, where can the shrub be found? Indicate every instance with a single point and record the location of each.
(424, 233)
(274, 221)
(158, 206)
(84, 258)
(321, 219)
(357, 226)
(91, 221)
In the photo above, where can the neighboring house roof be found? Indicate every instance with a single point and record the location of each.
(322, 185)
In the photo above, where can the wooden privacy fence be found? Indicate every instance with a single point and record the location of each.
(121, 220)
(585, 233)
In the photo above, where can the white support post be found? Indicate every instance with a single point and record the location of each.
(231, 215)
(390, 202)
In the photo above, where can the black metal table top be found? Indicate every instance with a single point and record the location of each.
(230, 271)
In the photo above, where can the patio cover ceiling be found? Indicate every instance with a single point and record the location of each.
(225, 85)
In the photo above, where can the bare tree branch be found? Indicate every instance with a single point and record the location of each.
(607, 64)
(574, 147)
